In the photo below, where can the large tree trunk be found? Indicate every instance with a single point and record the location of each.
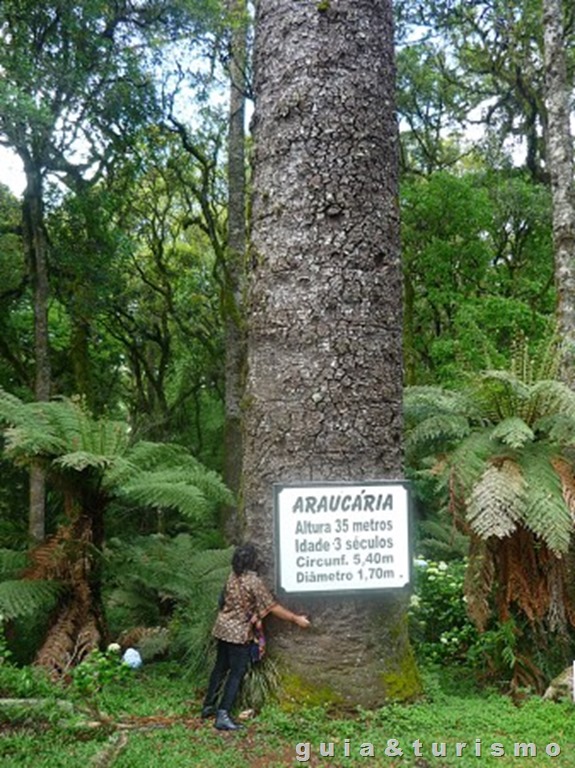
(560, 162)
(324, 386)
(36, 245)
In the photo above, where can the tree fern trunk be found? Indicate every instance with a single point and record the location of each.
(324, 385)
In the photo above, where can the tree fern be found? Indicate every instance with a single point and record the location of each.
(510, 482)
(92, 463)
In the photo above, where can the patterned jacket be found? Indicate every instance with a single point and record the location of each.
(246, 599)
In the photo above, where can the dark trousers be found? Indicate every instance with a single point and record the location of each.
(232, 662)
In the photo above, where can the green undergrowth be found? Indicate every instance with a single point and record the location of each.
(150, 720)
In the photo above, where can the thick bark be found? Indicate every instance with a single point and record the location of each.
(324, 382)
(560, 161)
(235, 259)
(36, 245)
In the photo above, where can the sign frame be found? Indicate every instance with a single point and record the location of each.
(281, 548)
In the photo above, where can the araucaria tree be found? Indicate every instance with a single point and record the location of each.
(324, 382)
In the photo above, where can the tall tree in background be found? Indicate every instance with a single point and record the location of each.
(75, 88)
(324, 382)
(560, 161)
(69, 76)
(236, 249)
(487, 60)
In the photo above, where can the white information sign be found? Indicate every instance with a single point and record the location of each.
(335, 537)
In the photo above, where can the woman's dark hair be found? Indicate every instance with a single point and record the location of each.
(245, 559)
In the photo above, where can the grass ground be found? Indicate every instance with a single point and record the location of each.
(151, 721)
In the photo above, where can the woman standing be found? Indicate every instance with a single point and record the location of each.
(246, 599)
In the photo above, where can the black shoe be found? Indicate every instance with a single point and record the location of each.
(225, 723)
(208, 711)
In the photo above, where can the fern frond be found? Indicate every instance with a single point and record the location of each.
(59, 427)
(25, 443)
(190, 488)
(551, 397)
(12, 562)
(210, 483)
(23, 597)
(559, 428)
(81, 460)
(468, 460)
(513, 432)
(420, 403)
(157, 489)
(547, 358)
(119, 472)
(499, 395)
(81, 432)
(434, 432)
(148, 456)
(172, 566)
(16, 413)
(442, 541)
(546, 513)
(497, 501)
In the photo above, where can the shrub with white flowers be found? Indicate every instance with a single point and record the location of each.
(440, 629)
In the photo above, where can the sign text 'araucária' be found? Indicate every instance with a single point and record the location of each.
(336, 537)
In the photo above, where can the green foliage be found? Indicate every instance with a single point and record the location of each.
(25, 682)
(168, 582)
(508, 484)
(261, 685)
(431, 102)
(495, 443)
(494, 55)
(440, 540)
(80, 450)
(25, 598)
(443, 634)
(478, 270)
(4, 650)
(97, 671)
(162, 718)
(440, 629)
(11, 563)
